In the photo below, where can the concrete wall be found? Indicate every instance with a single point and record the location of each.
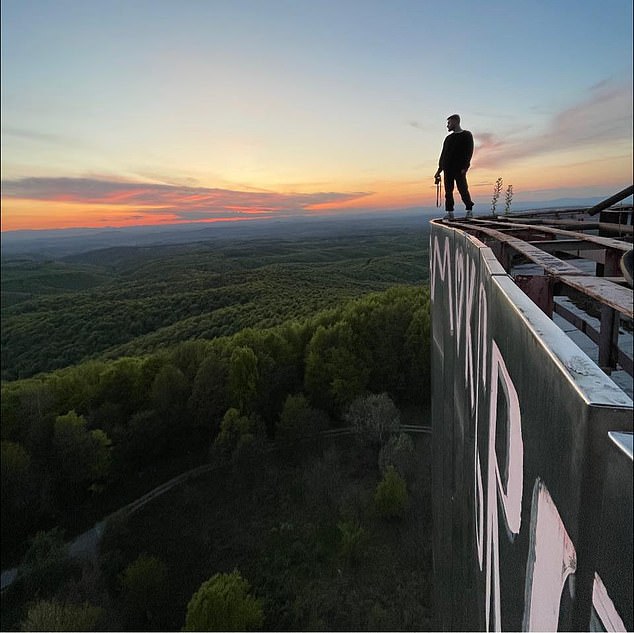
(527, 489)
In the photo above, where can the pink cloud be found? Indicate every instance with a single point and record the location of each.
(184, 202)
(604, 115)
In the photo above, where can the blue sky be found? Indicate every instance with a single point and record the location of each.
(304, 98)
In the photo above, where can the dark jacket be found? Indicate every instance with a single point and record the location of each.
(457, 151)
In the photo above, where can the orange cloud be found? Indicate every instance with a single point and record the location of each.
(87, 202)
(20, 214)
(387, 194)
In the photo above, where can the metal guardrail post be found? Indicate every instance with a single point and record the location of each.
(609, 339)
(540, 289)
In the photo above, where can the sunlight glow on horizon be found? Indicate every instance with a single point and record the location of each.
(33, 215)
(156, 112)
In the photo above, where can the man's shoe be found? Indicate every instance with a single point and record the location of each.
(469, 215)
(449, 216)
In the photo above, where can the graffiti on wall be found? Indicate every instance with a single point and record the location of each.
(498, 489)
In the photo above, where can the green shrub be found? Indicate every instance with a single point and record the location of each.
(45, 564)
(391, 499)
(223, 603)
(144, 583)
(374, 418)
(232, 428)
(399, 452)
(353, 541)
(50, 615)
(379, 619)
(299, 421)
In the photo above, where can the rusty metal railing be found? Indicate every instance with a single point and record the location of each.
(532, 441)
(547, 260)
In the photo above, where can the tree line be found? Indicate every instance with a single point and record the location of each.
(326, 535)
(132, 301)
(73, 437)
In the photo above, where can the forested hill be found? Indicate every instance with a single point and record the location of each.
(130, 300)
(54, 244)
(236, 354)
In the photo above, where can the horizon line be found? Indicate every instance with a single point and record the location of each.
(331, 215)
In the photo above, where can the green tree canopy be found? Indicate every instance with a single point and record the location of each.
(45, 563)
(235, 430)
(374, 418)
(398, 452)
(146, 438)
(208, 400)
(390, 498)
(51, 615)
(121, 382)
(299, 420)
(144, 583)
(15, 463)
(223, 603)
(337, 368)
(24, 403)
(416, 355)
(16, 475)
(243, 378)
(170, 391)
(80, 457)
(353, 540)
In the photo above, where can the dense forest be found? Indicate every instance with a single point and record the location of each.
(263, 347)
(132, 300)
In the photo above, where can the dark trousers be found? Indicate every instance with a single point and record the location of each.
(460, 181)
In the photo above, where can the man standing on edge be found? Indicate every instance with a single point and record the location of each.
(455, 160)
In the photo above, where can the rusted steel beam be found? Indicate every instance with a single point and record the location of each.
(551, 264)
(603, 291)
(609, 267)
(610, 227)
(608, 338)
(592, 333)
(626, 362)
(539, 289)
(548, 213)
(607, 242)
(608, 202)
(579, 322)
(533, 235)
(626, 265)
(614, 218)
(552, 246)
(615, 300)
(583, 225)
(586, 224)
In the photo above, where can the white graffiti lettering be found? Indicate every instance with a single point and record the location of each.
(508, 491)
(459, 292)
(478, 489)
(551, 560)
(442, 266)
(468, 368)
(604, 607)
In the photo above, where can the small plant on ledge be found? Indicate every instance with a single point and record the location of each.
(497, 188)
(508, 199)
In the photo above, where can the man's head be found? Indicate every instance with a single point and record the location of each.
(453, 122)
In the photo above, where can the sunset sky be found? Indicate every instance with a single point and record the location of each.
(128, 112)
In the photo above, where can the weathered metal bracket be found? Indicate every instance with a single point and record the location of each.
(539, 288)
